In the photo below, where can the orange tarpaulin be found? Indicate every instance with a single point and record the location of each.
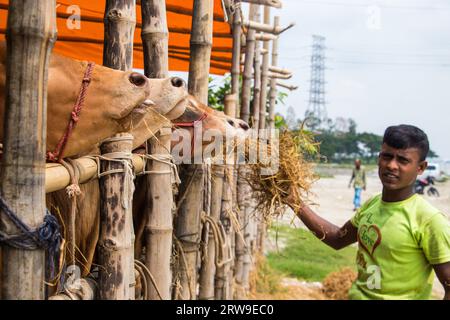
(85, 40)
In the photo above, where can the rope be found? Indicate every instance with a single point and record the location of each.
(183, 259)
(219, 237)
(57, 155)
(162, 158)
(47, 236)
(125, 159)
(73, 191)
(147, 272)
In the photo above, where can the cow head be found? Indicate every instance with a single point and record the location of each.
(204, 132)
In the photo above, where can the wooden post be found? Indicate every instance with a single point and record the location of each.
(155, 38)
(159, 227)
(236, 58)
(187, 227)
(119, 26)
(257, 82)
(248, 68)
(264, 76)
(273, 81)
(208, 270)
(30, 35)
(116, 242)
(120, 22)
(200, 47)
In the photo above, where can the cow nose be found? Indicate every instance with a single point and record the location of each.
(178, 82)
(138, 79)
(244, 125)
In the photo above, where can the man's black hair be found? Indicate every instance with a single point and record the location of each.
(406, 136)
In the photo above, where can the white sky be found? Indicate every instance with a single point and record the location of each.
(399, 73)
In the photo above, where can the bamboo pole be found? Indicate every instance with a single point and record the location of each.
(187, 227)
(273, 81)
(119, 26)
(57, 177)
(159, 227)
(30, 35)
(208, 271)
(264, 76)
(257, 82)
(271, 3)
(267, 28)
(201, 43)
(116, 242)
(155, 38)
(236, 59)
(120, 22)
(248, 68)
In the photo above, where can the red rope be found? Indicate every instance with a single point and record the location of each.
(57, 155)
(192, 123)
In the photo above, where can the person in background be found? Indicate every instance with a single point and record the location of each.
(359, 184)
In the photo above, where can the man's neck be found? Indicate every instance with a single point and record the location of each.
(397, 195)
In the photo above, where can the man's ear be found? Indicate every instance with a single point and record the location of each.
(422, 166)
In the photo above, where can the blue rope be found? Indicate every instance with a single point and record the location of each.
(47, 236)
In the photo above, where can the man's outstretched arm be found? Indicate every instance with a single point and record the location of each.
(332, 235)
(443, 273)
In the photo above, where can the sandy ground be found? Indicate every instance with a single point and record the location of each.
(334, 199)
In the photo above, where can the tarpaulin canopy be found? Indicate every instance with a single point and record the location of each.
(86, 42)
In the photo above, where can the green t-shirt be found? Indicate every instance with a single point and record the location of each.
(398, 242)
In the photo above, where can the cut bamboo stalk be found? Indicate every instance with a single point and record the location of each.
(273, 81)
(264, 76)
(287, 86)
(116, 242)
(159, 226)
(271, 3)
(267, 28)
(248, 68)
(30, 35)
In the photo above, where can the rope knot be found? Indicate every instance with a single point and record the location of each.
(74, 116)
(86, 80)
(73, 190)
(51, 156)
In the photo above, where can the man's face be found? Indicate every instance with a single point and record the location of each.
(399, 168)
(357, 163)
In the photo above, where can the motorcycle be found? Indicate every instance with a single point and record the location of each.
(428, 182)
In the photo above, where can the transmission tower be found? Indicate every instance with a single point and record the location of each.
(317, 111)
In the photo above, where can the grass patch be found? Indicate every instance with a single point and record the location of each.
(306, 257)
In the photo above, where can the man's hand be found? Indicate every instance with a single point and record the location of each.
(443, 273)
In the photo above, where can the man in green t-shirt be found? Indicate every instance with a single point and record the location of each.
(401, 237)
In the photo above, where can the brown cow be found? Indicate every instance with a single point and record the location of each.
(115, 102)
(87, 230)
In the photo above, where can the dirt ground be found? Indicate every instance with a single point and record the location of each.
(334, 199)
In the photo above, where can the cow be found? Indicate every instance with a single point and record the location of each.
(88, 205)
(116, 101)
